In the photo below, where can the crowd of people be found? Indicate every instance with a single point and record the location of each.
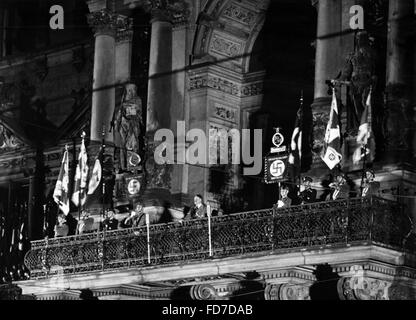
(338, 189)
(67, 225)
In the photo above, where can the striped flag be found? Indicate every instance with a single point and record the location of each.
(81, 175)
(332, 144)
(60, 194)
(365, 138)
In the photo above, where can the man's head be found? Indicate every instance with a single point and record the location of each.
(198, 200)
(139, 208)
(370, 175)
(284, 191)
(110, 214)
(340, 178)
(61, 218)
(307, 182)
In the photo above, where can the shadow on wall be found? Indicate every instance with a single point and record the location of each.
(325, 286)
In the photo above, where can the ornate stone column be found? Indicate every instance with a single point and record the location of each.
(105, 24)
(159, 104)
(397, 120)
(327, 66)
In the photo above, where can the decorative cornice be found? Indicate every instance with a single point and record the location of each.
(221, 84)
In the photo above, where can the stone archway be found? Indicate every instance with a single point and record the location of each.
(227, 31)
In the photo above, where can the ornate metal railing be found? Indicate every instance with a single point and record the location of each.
(331, 224)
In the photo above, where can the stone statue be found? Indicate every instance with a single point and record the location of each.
(359, 71)
(128, 122)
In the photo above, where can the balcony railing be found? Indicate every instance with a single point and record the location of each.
(325, 224)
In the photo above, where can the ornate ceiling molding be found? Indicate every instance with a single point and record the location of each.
(227, 31)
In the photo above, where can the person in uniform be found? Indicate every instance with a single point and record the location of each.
(340, 188)
(110, 222)
(284, 200)
(308, 195)
(370, 187)
(199, 209)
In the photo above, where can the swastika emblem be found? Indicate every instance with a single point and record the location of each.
(277, 168)
(331, 156)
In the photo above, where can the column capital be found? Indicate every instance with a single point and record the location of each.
(107, 22)
(174, 11)
(125, 30)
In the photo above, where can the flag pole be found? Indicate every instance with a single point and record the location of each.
(80, 179)
(102, 172)
(300, 129)
(365, 147)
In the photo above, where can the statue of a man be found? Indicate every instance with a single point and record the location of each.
(128, 122)
(359, 70)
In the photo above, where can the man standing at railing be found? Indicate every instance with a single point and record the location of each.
(370, 187)
(308, 195)
(340, 188)
(284, 200)
(199, 209)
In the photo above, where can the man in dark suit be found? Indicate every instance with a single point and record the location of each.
(308, 195)
(370, 187)
(199, 209)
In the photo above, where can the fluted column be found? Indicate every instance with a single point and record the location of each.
(398, 78)
(327, 65)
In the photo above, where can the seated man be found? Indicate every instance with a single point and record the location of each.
(110, 222)
(370, 187)
(308, 195)
(284, 200)
(85, 224)
(61, 229)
